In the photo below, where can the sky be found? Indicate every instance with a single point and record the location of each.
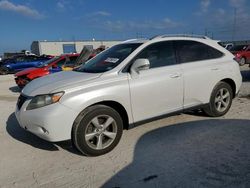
(22, 22)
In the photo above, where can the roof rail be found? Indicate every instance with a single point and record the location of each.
(132, 40)
(180, 35)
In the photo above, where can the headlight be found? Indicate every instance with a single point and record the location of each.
(44, 100)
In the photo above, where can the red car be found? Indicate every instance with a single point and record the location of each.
(57, 64)
(242, 53)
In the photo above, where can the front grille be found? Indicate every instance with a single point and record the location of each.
(21, 100)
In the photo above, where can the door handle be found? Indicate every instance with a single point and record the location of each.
(176, 75)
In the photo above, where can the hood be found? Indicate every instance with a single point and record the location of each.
(52, 82)
(26, 71)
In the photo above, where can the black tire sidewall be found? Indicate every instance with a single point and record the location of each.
(78, 133)
(4, 71)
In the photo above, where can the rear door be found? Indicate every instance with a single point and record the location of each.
(158, 90)
(201, 66)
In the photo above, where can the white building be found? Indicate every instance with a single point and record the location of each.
(60, 47)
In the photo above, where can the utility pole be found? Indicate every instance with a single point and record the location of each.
(234, 25)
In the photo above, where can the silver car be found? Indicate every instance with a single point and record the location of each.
(129, 84)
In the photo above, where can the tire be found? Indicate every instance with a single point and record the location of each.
(220, 100)
(242, 61)
(91, 136)
(4, 71)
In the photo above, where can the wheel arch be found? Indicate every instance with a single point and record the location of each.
(112, 104)
(120, 109)
(232, 84)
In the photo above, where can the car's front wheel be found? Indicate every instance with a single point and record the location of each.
(97, 130)
(220, 100)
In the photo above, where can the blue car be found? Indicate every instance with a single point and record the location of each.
(16, 65)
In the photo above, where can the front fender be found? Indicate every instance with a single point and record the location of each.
(117, 91)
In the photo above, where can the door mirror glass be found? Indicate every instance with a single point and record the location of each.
(139, 65)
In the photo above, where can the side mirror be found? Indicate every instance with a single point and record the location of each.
(139, 65)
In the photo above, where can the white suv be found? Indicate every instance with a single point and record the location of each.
(126, 85)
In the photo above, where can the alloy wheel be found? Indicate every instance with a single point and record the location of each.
(222, 100)
(101, 132)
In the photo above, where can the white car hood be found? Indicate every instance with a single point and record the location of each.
(52, 82)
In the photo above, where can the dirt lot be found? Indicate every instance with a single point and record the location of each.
(187, 150)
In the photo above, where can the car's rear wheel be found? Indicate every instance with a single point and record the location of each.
(220, 100)
(97, 130)
(242, 61)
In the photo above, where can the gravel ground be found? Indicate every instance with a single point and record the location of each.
(187, 150)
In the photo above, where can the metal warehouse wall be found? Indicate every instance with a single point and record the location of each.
(56, 47)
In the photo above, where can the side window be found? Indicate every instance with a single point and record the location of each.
(61, 62)
(214, 53)
(190, 51)
(32, 58)
(71, 61)
(21, 59)
(159, 54)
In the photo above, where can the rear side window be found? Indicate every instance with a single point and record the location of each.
(214, 53)
(190, 51)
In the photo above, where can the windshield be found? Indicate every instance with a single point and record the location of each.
(238, 48)
(46, 63)
(108, 59)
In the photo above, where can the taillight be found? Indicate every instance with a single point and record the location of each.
(238, 55)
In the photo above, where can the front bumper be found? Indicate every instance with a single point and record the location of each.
(52, 123)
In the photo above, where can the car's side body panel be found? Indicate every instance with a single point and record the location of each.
(156, 91)
(201, 77)
(153, 92)
(109, 89)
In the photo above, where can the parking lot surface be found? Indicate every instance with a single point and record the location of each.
(187, 150)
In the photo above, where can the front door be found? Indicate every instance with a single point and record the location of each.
(158, 90)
